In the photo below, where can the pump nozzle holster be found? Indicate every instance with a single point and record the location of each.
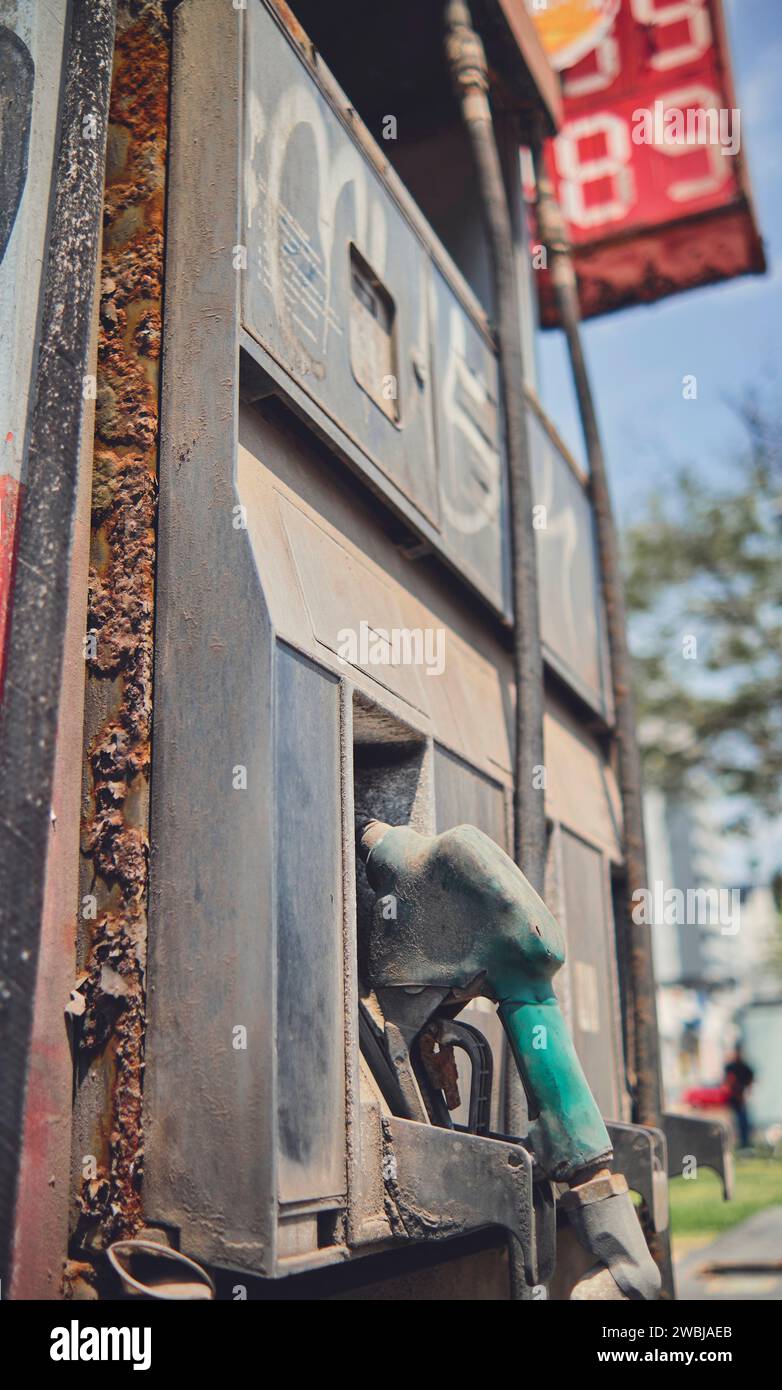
(453, 911)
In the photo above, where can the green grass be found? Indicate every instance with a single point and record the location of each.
(697, 1208)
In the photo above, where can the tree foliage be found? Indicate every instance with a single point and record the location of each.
(705, 564)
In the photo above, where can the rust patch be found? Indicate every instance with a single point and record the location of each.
(115, 827)
(296, 30)
(79, 1282)
(440, 1066)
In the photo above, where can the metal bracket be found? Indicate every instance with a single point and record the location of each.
(640, 1154)
(441, 1183)
(463, 1035)
(707, 1141)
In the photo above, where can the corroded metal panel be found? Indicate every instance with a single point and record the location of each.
(320, 226)
(118, 715)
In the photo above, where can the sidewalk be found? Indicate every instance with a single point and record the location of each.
(744, 1263)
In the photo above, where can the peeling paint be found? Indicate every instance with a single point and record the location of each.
(115, 824)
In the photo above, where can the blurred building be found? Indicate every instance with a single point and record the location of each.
(714, 978)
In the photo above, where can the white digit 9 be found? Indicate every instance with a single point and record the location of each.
(691, 12)
(607, 67)
(576, 173)
(719, 170)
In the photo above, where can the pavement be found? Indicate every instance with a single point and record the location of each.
(743, 1263)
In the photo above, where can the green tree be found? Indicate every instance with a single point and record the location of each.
(704, 591)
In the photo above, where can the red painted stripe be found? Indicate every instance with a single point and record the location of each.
(10, 510)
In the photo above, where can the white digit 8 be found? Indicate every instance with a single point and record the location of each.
(575, 173)
(692, 12)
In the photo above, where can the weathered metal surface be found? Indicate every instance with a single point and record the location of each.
(471, 467)
(640, 1155)
(17, 74)
(210, 1104)
(311, 195)
(41, 599)
(591, 971)
(440, 1184)
(309, 987)
(30, 43)
(310, 198)
(707, 1141)
(303, 522)
(312, 192)
(43, 1199)
(571, 617)
(115, 831)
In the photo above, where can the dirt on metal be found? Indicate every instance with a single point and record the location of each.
(115, 829)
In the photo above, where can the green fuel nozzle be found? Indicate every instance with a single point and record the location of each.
(454, 910)
(454, 913)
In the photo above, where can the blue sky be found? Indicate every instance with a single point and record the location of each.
(729, 336)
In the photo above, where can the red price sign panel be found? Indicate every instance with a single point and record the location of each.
(649, 166)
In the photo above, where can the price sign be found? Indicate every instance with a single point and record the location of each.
(649, 164)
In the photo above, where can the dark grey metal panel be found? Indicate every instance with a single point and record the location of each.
(472, 471)
(570, 601)
(591, 971)
(310, 1022)
(310, 196)
(465, 797)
